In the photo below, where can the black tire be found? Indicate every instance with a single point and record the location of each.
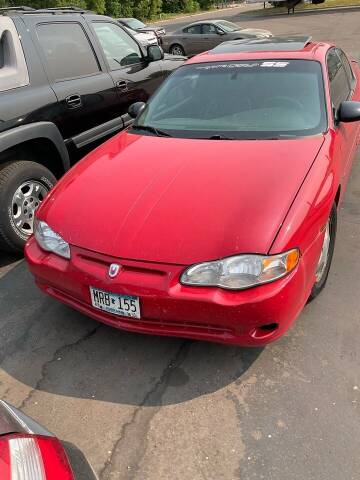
(321, 282)
(178, 47)
(12, 176)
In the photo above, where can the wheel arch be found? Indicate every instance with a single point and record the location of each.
(40, 142)
(338, 196)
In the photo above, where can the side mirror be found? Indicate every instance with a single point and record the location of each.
(136, 109)
(220, 32)
(154, 53)
(349, 112)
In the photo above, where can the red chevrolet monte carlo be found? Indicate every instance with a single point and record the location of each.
(214, 216)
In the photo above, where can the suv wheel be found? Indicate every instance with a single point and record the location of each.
(23, 186)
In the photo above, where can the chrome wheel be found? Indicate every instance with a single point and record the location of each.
(26, 200)
(177, 50)
(324, 256)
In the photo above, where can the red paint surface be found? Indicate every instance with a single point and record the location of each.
(156, 205)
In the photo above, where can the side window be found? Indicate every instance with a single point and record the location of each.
(208, 28)
(67, 50)
(13, 69)
(119, 48)
(195, 30)
(339, 85)
(348, 69)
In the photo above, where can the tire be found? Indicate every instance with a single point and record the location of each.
(177, 49)
(323, 274)
(23, 186)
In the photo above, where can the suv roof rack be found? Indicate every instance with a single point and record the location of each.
(22, 8)
(50, 10)
(278, 43)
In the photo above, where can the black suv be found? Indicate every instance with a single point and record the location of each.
(67, 79)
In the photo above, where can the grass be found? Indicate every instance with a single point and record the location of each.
(306, 6)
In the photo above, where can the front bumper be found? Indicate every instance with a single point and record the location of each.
(250, 317)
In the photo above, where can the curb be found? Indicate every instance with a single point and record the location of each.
(308, 10)
(190, 15)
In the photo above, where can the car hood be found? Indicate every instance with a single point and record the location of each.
(177, 200)
(151, 29)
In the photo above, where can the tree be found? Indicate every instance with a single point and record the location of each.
(155, 8)
(97, 6)
(141, 9)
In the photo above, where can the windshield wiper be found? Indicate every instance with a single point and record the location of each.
(149, 128)
(220, 137)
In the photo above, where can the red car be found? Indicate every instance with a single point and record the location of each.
(214, 216)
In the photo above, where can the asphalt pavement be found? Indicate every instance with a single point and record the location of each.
(131, 406)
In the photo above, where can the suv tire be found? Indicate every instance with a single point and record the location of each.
(23, 186)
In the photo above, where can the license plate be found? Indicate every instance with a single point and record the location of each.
(123, 305)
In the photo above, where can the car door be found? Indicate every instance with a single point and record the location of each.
(210, 36)
(341, 90)
(192, 40)
(135, 78)
(85, 91)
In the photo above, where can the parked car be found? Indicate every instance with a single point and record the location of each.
(28, 451)
(215, 213)
(66, 83)
(207, 34)
(139, 26)
(145, 38)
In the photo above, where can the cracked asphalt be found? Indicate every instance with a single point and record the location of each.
(130, 406)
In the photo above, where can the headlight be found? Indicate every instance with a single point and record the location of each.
(49, 240)
(241, 271)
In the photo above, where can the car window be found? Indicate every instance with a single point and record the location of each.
(257, 99)
(228, 26)
(13, 69)
(348, 69)
(119, 48)
(67, 50)
(134, 23)
(208, 28)
(339, 85)
(195, 29)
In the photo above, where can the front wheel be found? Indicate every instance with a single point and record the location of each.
(23, 186)
(177, 50)
(326, 255)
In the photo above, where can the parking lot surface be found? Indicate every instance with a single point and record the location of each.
(140, 407)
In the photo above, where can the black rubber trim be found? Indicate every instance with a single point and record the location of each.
(98, 132)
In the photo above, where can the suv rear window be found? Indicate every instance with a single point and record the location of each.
(67, 50)
(13, 70)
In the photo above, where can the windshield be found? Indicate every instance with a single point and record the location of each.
(228, 26)
(134, 23)
(251, 99)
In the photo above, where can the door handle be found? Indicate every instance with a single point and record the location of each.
(73, 101)
(122, 85)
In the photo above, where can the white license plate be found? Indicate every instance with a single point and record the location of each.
(123, 305)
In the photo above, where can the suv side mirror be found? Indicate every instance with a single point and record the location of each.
(154, 53)
(349, 112)
(220, 32)
(136, 109)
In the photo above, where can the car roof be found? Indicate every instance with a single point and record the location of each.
(294, 47)
(200, 22)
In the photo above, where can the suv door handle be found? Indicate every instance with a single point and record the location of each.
(73, 101)
(122, 85)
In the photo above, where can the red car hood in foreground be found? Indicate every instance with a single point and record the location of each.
(179, 200)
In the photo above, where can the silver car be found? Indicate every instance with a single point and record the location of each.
(207, 34)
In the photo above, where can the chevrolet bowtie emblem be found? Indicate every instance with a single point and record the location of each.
(114, 269)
